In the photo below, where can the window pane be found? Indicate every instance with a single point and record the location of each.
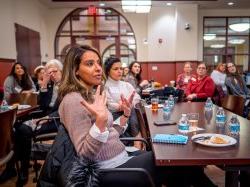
(215, 46)
(238, 45)
(82, 25)
(215, 30)
(238, 26)
(215, 22)
(241, 61)
(107, 25)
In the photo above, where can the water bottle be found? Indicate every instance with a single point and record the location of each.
(4, 105)
(166, 110)
(171, 101)
(183, 125)
(208, 104)
(234, 125)
(220, 117)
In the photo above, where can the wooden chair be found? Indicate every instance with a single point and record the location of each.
(7, 121)
(144, 129)
(234, 104)
(23, 99)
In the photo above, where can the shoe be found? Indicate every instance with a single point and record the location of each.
(7, 174)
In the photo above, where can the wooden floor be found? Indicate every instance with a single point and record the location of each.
(214, 173)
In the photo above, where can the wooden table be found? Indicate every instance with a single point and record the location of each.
(233, 158)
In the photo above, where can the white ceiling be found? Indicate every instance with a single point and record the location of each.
(243, 4)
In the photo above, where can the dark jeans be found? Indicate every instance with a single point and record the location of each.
(23, 141)
(172, 176)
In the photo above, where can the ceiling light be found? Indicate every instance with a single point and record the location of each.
(136, 6)
(217, 46)
(236, 41)
(230, 3)
(239, 27)
(169, 4)
(209, 36)
(102, 4)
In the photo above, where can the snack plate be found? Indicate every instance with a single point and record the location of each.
(211, 142)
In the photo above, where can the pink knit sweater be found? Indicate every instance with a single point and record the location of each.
(78, 121)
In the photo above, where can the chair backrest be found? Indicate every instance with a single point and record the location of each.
(24, 99)
(115, 177)
(7, 120)
(234, 104)
(141, 115)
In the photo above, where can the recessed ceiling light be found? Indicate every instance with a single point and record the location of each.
(169, 4)
(217, 46)
(102, 4)
(230, 3)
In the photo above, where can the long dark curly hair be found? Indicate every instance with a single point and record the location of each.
(25, 81)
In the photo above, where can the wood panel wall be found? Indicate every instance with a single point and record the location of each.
(5, 68)
(164, 72)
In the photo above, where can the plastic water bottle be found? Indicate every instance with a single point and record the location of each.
(208, 104)
(220, 117)
(183, 125)
(234, 125)
(166, 110)
(171, 101)
(4, 105)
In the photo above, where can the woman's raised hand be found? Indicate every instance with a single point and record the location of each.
(98, 108)
(126, 104)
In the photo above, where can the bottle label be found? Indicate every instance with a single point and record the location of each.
(183, 127)
(234, 128)
(166, 109)
(220, 118)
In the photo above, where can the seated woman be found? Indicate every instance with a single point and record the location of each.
(49, 85)
(116, 89)
(125, 72)
(134, 77)
(237, 86)
(24, 131)
(38, 76)
(184, 78)
(235, 83)
(90, 127)
(18, 81)
(202, 87)
(219, 77)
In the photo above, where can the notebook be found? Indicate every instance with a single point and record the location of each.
(170, 138)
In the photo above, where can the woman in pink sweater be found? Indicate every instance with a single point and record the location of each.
(90, 126)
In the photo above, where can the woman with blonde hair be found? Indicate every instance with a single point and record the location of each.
(219, 76)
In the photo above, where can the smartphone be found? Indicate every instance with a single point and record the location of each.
(164, 123)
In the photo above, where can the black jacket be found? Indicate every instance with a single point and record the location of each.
(63, 168)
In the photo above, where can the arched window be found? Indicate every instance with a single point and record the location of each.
(104, 29)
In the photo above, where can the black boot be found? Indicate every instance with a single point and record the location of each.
(9, 172)
(24, 174)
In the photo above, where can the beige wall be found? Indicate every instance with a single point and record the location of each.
(7, 32)
(166, 23)
(29, 13)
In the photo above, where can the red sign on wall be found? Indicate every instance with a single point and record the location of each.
(92, 10)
